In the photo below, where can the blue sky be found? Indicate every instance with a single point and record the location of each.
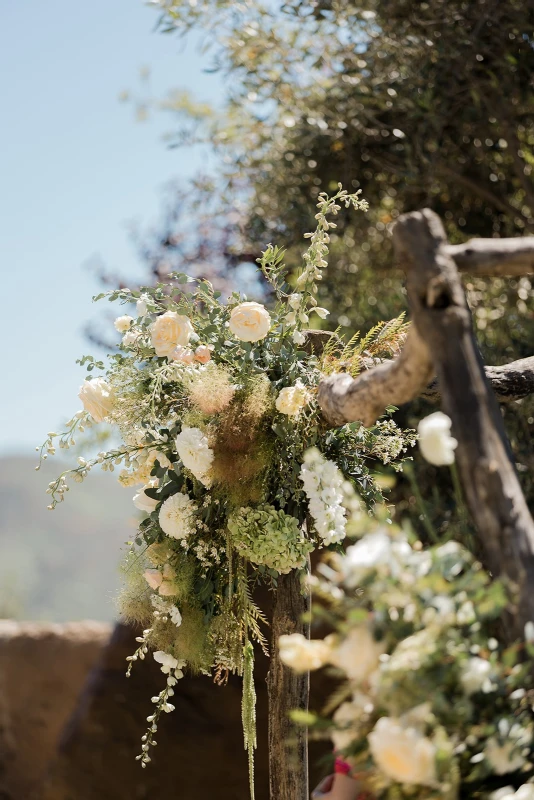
(75, 169)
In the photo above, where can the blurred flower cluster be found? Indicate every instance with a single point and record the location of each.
(432, 704)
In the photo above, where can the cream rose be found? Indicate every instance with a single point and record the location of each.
(195, 453)
(302, 654)
(123, 323)
(97, 398)
(143, 502)
(250, 322)
(170, 330)
(358, 654)
(292, 399)
(402, 753)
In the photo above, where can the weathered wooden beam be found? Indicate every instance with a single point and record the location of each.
(344, 399)
(494, 257)
(442, 334)
(394, 382)
(287, 690)
(509, 382)
(485, 464)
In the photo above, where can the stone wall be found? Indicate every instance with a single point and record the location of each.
(43, 668)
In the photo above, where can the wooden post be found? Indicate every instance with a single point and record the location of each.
(485, 462)
(288, 743)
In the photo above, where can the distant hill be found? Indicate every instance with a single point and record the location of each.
(60, 565)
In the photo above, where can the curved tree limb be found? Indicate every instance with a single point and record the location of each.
(345, 399)
(442, 327)
(494, 257)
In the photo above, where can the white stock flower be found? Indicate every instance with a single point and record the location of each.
(97, 398)
(298, 337)
(302, 654)
(475, 675)
(294, 300)
(250, 322)
(195, 453)
(292, 399)
(167, 661)
(143, 502)
(176, 516)
(357, 654)
(122, 324)
(403, 753)
(435, 440)
(170, 330)
(321, 312)
(323, 485)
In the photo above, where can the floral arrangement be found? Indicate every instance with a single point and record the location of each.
(431, 705)
(215, 407)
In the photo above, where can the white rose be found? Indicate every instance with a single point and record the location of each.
(141, 306)
(143, 502)
(292, 399)
(475, 675)
(97, 398)
(195, 453)
(358, 654)
(403, 754)
(131, 337)
(250, 322)
(435, 440)
(302, 654)
(170, 330)
(123, 323)
(176, 516)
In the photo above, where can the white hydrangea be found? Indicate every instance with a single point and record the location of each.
(195, 453)
(176, 516)
(323, 485)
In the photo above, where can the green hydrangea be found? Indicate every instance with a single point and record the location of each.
(269, 537)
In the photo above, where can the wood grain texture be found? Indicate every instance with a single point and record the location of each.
(494, 257)
(484, 459)
(288, 745)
